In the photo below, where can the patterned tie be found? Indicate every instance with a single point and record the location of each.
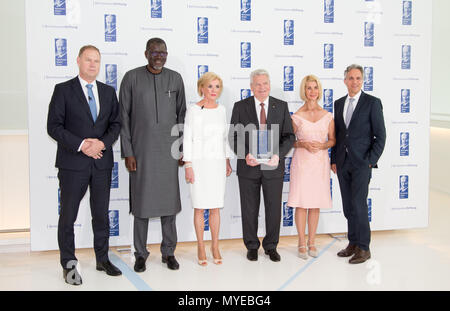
(350, 108)
(262, 117)
(92, 104)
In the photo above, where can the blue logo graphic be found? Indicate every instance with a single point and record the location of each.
(110, 28)
(246, 54)
(403, 186)
(288, 32)
(115, 176)
(111, 75)
(60, 52)
(113, 216)
(246, 10)
(328, 100)
(202, 30)
(405, 101)
(59, 201)
(328, 11)
(288, 84)
(287, 169)
(404, 144)
(331, 180)
(368, 78)
(328, 55)
(201, 70)
(156, 9)
(369, 207)
(288, 217)
(206, 219)
(59, 7)
(406, 57)
(369, 33)
(245, 93)
(407, 13)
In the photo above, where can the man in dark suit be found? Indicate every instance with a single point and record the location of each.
(360, 140)
(83, 118)
(260, 112)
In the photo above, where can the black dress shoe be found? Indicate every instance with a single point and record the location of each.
(348, 251)
(139, 265)
(109, 268)
(360, 256)
(273, 254)
(252, 254)
(171, 262)
(72, 276)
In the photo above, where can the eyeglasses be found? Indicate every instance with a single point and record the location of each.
(160, 54)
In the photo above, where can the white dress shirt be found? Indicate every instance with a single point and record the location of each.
(258, 108)
(347, 101)
(94, 90)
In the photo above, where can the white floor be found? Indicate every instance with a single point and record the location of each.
(401, 260)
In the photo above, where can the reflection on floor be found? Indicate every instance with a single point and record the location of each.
(401, 260)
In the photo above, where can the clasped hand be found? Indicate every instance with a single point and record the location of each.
(92, 147)
(311, 146)
(251, 160)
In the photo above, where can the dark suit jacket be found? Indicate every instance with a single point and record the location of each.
(366, 135)
(70, 121)
(244, 113)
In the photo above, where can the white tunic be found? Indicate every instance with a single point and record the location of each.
(205, 144)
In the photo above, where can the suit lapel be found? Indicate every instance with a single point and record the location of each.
(359, 105)
(251, 111)
(81, 97)
(101, 93)
(271, 112)
(340, 111)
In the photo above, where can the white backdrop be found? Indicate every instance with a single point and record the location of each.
(121, 39)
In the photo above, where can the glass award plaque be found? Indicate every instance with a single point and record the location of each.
(263, 154)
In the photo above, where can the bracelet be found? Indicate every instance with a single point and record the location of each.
(187, 165)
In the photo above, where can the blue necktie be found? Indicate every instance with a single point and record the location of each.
(92, 104)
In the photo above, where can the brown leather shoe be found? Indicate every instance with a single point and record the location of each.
(360, 256)
(348, 251)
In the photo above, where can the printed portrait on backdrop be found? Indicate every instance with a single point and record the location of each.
(246, 56)
(328, 11)
(202, 30)
(246, 12)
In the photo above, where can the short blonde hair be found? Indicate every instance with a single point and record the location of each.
(310, 78)
(205, 79)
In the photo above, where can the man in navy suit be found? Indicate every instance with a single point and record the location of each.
(83, 118)
(360, 140)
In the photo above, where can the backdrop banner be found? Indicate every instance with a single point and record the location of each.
(290, 39)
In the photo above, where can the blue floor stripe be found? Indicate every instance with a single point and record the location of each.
(132, 276)
(310, 262)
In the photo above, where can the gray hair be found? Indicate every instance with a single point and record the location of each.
(354, 66)
(258, 72)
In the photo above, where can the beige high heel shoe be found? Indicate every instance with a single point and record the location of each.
(201, 262)
(312, 253)
(217, 261)
(301, 254)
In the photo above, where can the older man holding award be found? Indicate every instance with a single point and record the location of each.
(261, 135)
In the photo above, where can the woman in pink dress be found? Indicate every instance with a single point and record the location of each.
(309, 189)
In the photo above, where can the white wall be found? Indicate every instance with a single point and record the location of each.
(440, 62)
(14, 180)
(13, 78)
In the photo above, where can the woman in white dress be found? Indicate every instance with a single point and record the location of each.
(206, 154)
